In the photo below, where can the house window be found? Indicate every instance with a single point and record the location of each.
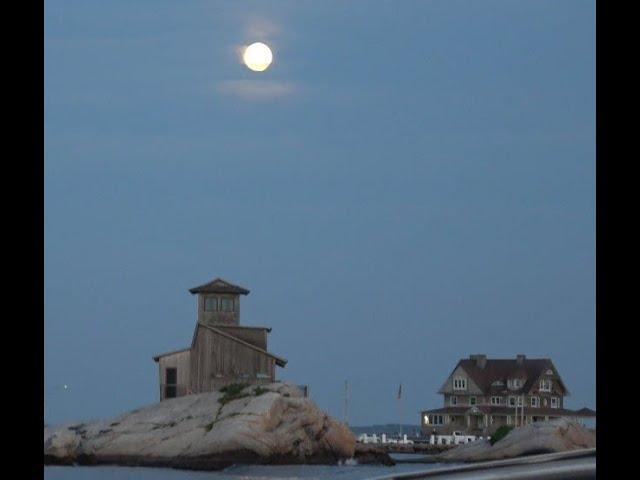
(535, 402)
(555, 402)
(512, 401)
(226, 304)
(473, 400)
(514, 383)
(453, 400)
(495, 400)
(437, 420)
(459, 383)
(211, 304)
(545, 385)
(520, 401)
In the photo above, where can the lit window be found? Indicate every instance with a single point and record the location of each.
(459, 383)
(211, 304)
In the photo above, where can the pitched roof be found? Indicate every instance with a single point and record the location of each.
(281, 362)
(503, 369)
(157, 357)
(218, 285)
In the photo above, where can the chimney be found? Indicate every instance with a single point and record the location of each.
(480, 359)
(520, 358)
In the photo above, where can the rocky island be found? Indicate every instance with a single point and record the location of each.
(554, 436)
(269, 424)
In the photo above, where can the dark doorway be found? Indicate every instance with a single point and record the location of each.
(171, 381)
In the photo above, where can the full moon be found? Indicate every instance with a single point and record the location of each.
(257, 57)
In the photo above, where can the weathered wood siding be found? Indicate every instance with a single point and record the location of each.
(217, 361)
(181, 361)
(254, 336)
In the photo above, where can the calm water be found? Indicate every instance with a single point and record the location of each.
(240, 472)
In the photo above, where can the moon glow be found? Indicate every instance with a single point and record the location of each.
(257, 57)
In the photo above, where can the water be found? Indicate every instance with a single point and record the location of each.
(238, 472)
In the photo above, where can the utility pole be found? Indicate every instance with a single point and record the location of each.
(346, 402)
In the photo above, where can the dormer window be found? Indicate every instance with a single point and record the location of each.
(514, 383)
(545, 385)
(459, 383)
(211, 304)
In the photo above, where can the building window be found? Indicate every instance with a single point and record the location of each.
(473, 400)
(514, 383)
(555, 402)
(520, 401)
(459, 383)
(226, 304)
(495, 400)
(437, 420)
(512, 401)
(545, 385)
(211, 304)
(535, 402)
(453, 400)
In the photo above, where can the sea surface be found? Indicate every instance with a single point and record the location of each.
(237, 472)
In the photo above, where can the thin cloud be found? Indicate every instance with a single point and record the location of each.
(255, 89)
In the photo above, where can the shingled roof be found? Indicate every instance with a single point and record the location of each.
(219, 285)
(488, 371)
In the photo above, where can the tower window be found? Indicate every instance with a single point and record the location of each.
(211, 304)
(226, 304)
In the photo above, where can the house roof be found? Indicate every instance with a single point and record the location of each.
(281, 362)
(503, 369)
(219, 285)
(157, 357)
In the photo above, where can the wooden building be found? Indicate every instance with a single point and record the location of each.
(222, 351)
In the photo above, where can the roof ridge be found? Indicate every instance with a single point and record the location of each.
(282, 361)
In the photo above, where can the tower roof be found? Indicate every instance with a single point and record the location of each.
(219, 286)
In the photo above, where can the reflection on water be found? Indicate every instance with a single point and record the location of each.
(239, 472)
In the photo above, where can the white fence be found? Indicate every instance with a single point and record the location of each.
(433, 439)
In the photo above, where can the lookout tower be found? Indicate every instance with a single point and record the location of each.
(219, 302)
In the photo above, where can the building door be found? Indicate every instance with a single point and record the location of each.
(171, 382)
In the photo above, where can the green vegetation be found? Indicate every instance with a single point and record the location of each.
(259, 391)
(231, 392)
(501, 432)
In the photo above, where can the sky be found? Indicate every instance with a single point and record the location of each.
(409, 183)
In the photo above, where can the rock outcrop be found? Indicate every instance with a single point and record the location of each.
(268, 424)
(558, 435)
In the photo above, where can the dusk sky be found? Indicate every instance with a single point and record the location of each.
(410, 182)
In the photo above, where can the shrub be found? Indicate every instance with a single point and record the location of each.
(231, 392)
(259, 391)
(500, 433)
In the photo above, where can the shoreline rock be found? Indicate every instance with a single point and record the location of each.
(270, 424)
(559, 435)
